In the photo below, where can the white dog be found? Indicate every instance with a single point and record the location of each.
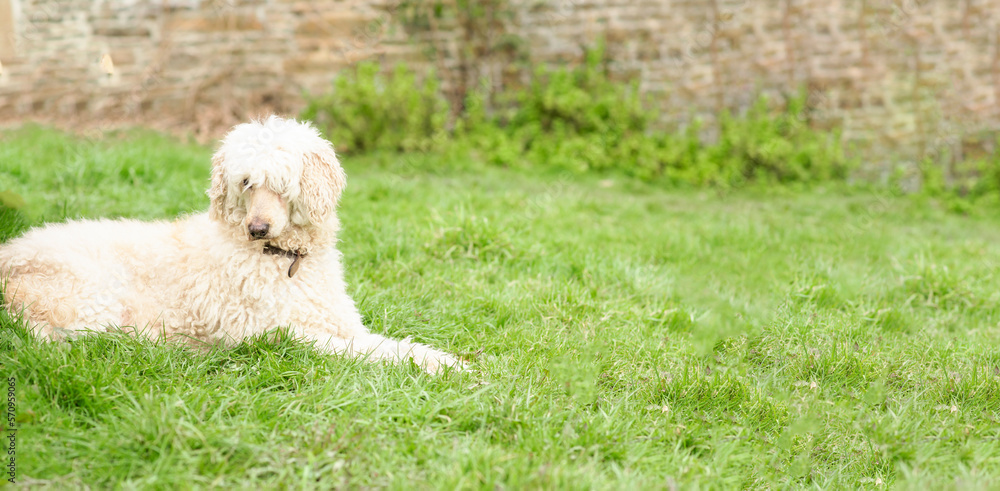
(263, 256)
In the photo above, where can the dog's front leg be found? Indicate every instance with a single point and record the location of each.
(374, 347)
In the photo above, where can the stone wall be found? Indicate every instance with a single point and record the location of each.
(903, 78)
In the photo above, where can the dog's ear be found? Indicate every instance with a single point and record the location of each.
(217, 192)
(323, 180)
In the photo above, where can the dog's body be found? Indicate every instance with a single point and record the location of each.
(263, 256)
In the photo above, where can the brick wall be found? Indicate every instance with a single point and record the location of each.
(902, 78)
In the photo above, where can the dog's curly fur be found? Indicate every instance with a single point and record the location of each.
(216, 276)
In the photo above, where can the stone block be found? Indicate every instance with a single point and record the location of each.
(214, 23)
(313, 64)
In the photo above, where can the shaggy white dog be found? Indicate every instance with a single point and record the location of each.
(263, 256)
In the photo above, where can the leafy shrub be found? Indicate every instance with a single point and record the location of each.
(973, 182)
(577, 119)
(768, 145)
(367, 111)
(583, 101)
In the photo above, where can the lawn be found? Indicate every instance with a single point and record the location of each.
(621, 335)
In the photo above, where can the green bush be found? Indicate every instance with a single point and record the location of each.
(779, 146)
(577, 119)
(582, 101)
(980, 177)
(973, 182)
(366, 111)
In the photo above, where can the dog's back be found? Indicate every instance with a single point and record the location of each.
(79, 274)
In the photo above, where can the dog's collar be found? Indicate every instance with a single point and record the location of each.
(295, 255)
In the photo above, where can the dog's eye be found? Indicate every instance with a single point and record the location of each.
(246, 183)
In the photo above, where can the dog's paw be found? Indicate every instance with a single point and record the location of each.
(435, 362)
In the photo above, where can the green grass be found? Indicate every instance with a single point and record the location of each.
(622, 336)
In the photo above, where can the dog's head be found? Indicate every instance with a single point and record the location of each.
(273, 176)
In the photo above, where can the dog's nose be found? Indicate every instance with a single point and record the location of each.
(258, 229)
